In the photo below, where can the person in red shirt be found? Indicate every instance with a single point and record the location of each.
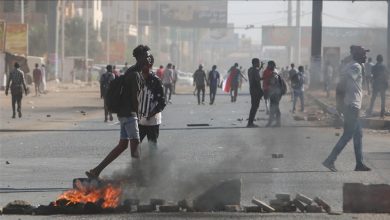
(160, 72)
(267, 74)
(37, 76)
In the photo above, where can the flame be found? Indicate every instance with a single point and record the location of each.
(109, 194)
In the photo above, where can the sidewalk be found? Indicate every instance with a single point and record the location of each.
(328, 104)
(63, 105)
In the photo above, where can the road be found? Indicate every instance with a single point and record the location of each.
(45, 153)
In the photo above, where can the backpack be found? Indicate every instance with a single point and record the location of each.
(296, 81)
(114, 93)
(283, 86)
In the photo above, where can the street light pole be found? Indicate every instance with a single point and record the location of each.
(298, 49)
(86, 40)
(22, 11)
(108, 34)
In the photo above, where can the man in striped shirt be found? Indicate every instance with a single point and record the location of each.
(17, 84)
(151, 104)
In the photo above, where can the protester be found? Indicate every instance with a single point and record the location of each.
(380, 77)
(234, 74)
(200, 81)
(152, 103)
(297, 83)
(213, 81)
(43, 70)
(291, 73)
(160, 72)
(275, 94)
(128, 113)
(254, 89)
(351, 82)
(175, 78)
(124, 69)
(267, 74)
(168, 81)
(37, 76)
(115, 71)
(328, 76)
(368, 74)
(105, 81)
(17, 84)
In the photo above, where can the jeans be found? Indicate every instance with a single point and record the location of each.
(168, 87)
(383, 100)
(213, 92)
(352, 129)
(255, 102)
(200, 88)
(298, 94)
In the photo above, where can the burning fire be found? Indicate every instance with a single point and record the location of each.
(108, 194)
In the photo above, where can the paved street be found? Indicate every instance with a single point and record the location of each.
(46, 153)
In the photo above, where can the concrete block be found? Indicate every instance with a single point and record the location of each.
(283, 197)
(145, 208)
(156, 202)
(323, 204)
(169, 208)
(263, 205)
(232, 208)
(283, 206)
(215, 198)
(299, 205)
(253, 209)
(360, 198)
(313, 208)
(304, 199)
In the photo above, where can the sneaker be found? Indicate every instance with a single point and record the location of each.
(329, 165)
(362, 168)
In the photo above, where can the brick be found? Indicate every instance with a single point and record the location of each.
(156, 202)
(304, 199)
(145, 208)
(360, 198)
(313, 208)
(263, 205)
(299, 205)
(283, 197)
(323, 204)
(253, 209)
(169, 208)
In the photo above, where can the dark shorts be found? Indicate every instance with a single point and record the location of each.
(151, 132)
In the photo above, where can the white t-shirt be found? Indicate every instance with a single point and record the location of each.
(155, 120)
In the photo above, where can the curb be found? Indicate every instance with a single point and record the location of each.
(378, 124)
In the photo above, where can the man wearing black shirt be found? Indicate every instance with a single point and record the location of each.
(255, 90)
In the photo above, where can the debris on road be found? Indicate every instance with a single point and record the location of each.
(7, 162)
(253, 209)
(145, 208)
(195, 125)
(169, 208)
(323, 204)
(304, 199)
(48, 116)
(232, 208)
(298, 118)
(263, 205)
(18, 207)
(277, 155)
(313, 208)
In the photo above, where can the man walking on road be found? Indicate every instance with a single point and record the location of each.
(17, 84)
(105, 81)
(152, 103)
(254, 89)
(234, 74)
(352, 80)
(175, 78)
(128, 112)
(167, 80)
(380, 77)
(297, 84)
(291, 73)
(213, 80)
(37, 76)
(43, 83)
(275, 94)
(200, 82)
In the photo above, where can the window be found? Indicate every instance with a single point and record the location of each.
(9, 6)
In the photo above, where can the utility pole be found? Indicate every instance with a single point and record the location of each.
(136, 8)
(388, 33)
(86, 40)
(57, 42)
(108, 34)
(22, 11)
(316, 40)
(158, 31)
(62, 37)
(298, 45)
(289, 23)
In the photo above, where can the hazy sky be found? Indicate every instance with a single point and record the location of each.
(335, 13)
